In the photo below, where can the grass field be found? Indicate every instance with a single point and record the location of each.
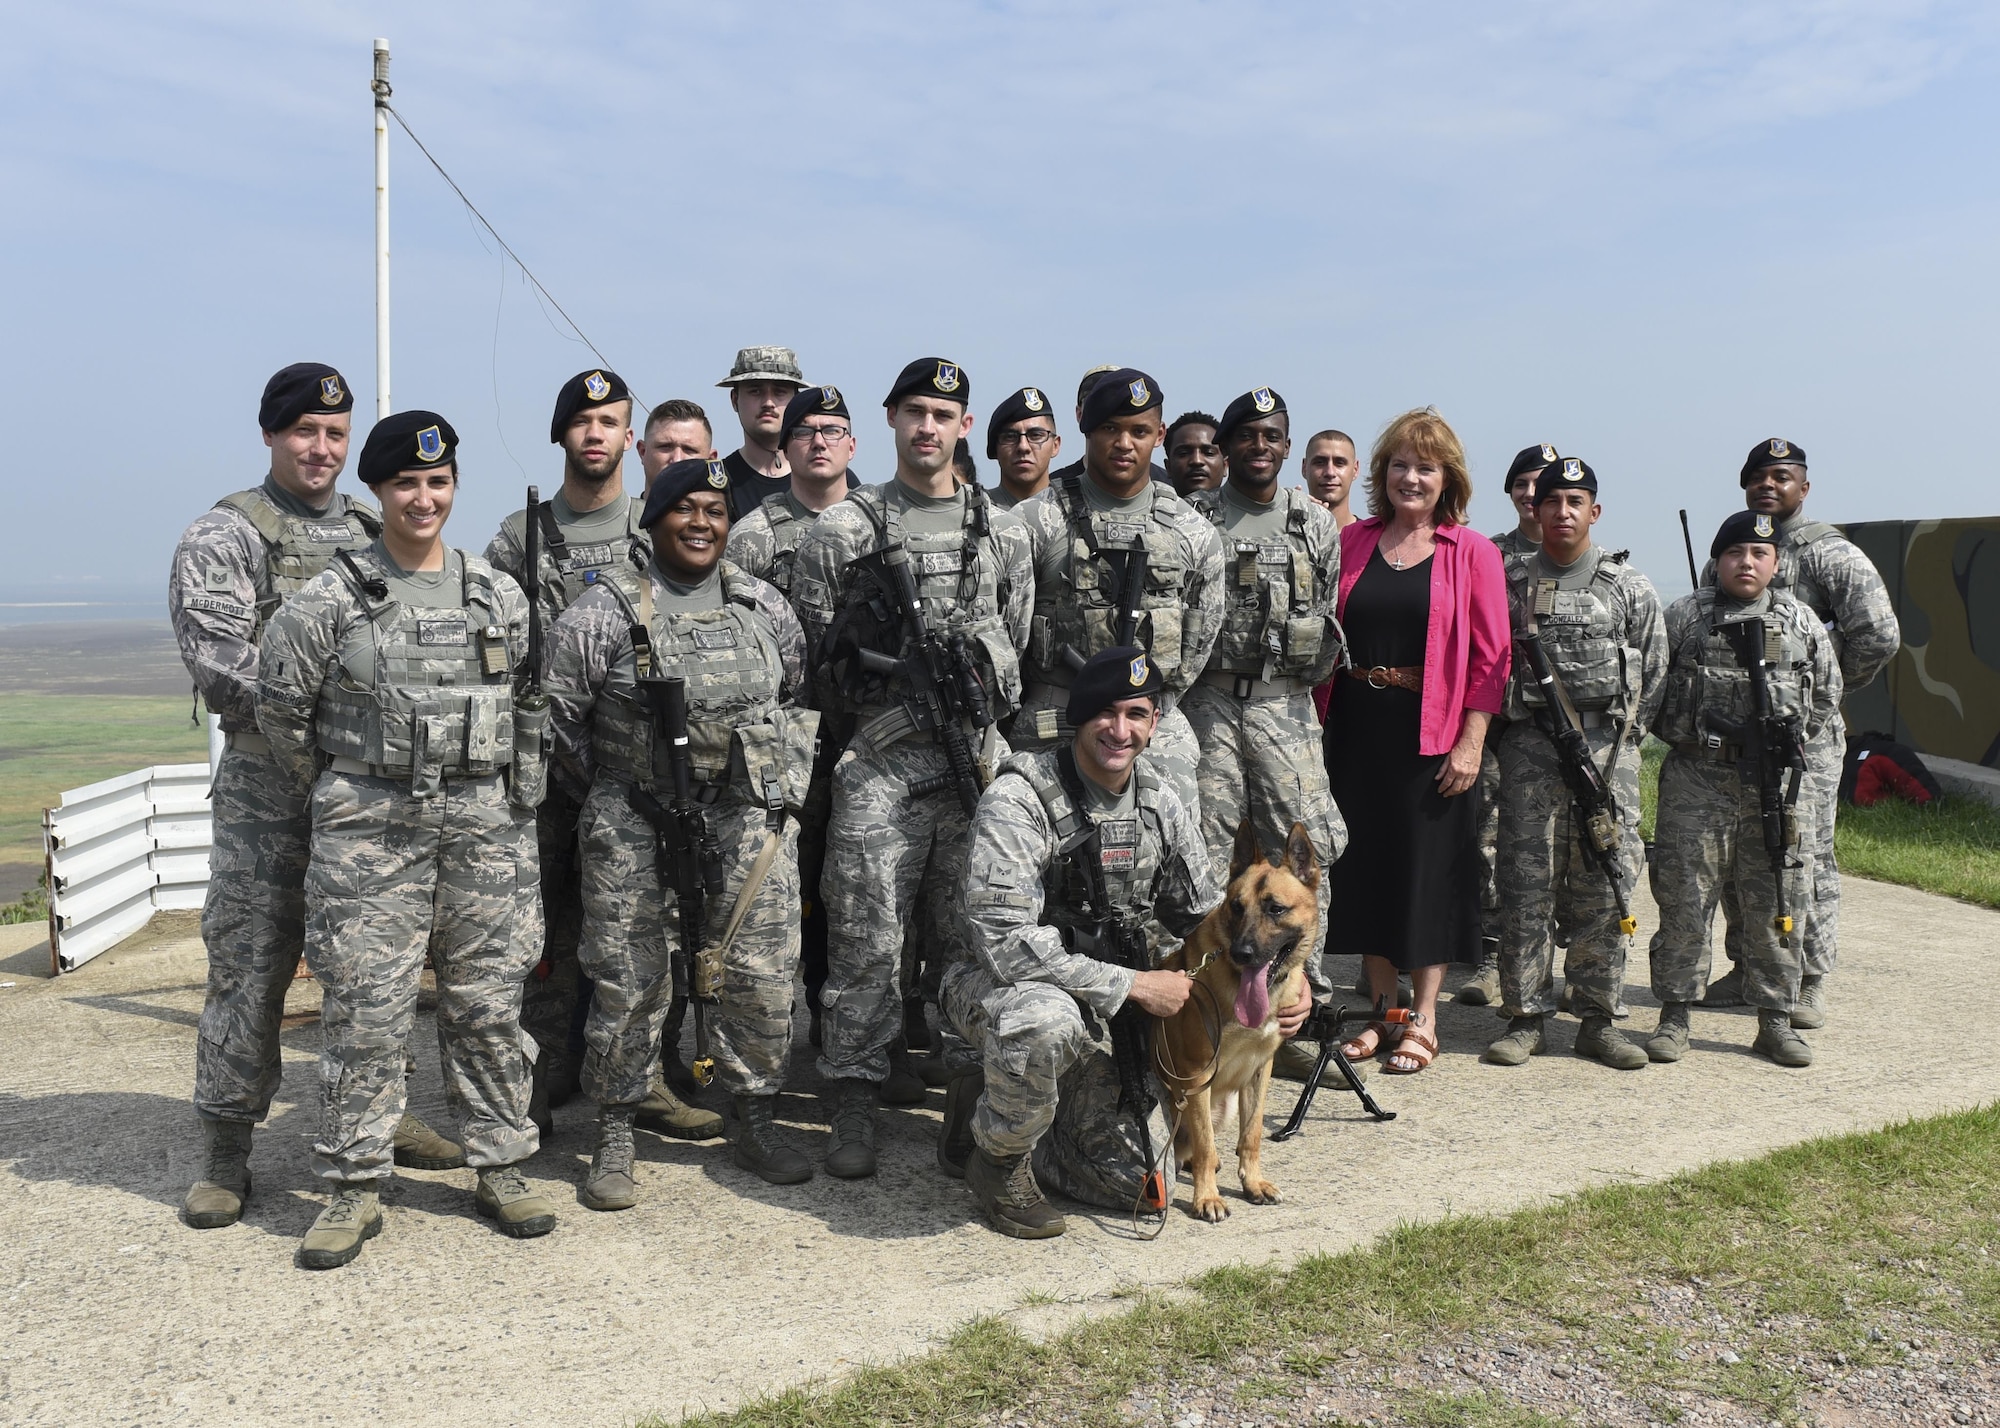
(1841, 1267)
(1951, 847)
(52, 742)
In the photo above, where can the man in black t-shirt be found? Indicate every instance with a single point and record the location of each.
(760, 385)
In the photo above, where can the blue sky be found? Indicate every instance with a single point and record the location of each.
(1652, 234)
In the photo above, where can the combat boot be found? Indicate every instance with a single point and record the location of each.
(760, 1150)
(1294, 1063)
(1007, 1192)
(515, 1207)
(1777, 1040)
(350, 1220)
(611, 1185)
(1601, 1041)
(902, 1086)
(1724, 991)
(916, 1030)
(1669, 1041)
(1484, 988)
(1522, 1039)
(961, 1098)
(1810, 1013)
(217, 1198)
(665, 1113)
(850, 1153)
(418, 1147)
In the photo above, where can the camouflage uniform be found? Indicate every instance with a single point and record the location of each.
(1252, 712)
(1512, 545)
(1035, 1002)
(974, 582)
(1840, 587)
(395, 706)
(569, 567)
(1004, 499)
(743, 657)
(1070, 526)
(234, 566)
(1600, 623)
(1707, 830)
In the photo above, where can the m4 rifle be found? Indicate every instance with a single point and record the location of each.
(1774, 756)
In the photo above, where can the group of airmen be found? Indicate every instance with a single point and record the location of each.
(651, 757)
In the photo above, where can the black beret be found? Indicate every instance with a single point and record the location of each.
(1122, 672)
(1775, 452)
(931, 377)
(1251, 406)
(407, 441)
(1019, 406)
(676, 480)
(812, 401)
(595, 388)
(300, 388)
(1125, 391)
(1744, 528)
(1566, 473)
(1531, 458)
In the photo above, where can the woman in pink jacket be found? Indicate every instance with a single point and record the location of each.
(1424, 604)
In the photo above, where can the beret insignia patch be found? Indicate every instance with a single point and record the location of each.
(1032, 399)
(1548, 453)
(430, 444)
(1572, 469)
(329, 390)
(946, 379)
(595, 387)
(1779, 448)
(1762, 525)
(1141, 393)
(1139, 671)
(829, 398)
(718, 476)
(1263, 400)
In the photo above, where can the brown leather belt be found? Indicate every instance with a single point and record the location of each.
(1381, 676)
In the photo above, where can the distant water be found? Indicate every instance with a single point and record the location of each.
(46, 612)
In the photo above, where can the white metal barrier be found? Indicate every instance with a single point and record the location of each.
(121, 850)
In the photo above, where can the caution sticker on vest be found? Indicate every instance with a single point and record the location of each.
(722, 639)
(1118, 844)
(442, 630)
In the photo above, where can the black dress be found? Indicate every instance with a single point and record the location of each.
(1408, 886)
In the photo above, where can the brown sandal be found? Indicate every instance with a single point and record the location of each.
(1387, 1037)
(1417, 1048)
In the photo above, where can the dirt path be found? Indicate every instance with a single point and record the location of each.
(718, 1286)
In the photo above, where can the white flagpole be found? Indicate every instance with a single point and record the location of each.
(381, 88)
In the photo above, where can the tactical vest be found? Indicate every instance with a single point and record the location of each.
(1078, 611)
(297, 548)
(1704, 676)
(421, 691)
(568, 570)
(738, 732)
(958, 577)
(1131, 848)
(1807, 593)
(1583, 631)
(1269, 629)
(787, 531)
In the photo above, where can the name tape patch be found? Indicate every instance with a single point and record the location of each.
(441, 630)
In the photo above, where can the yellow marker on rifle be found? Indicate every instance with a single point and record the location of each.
(703, 1070)
(1628, 924)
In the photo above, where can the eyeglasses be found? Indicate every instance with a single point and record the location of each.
(828, 434)
(1034, 436)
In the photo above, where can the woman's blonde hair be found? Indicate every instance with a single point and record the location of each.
(1431, 438)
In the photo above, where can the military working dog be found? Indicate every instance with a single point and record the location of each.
(1248, 958)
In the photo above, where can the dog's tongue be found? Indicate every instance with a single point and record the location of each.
(1253, 998)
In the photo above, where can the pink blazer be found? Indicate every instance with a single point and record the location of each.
(1470, 646)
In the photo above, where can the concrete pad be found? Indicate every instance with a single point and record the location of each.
(718, 1286)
